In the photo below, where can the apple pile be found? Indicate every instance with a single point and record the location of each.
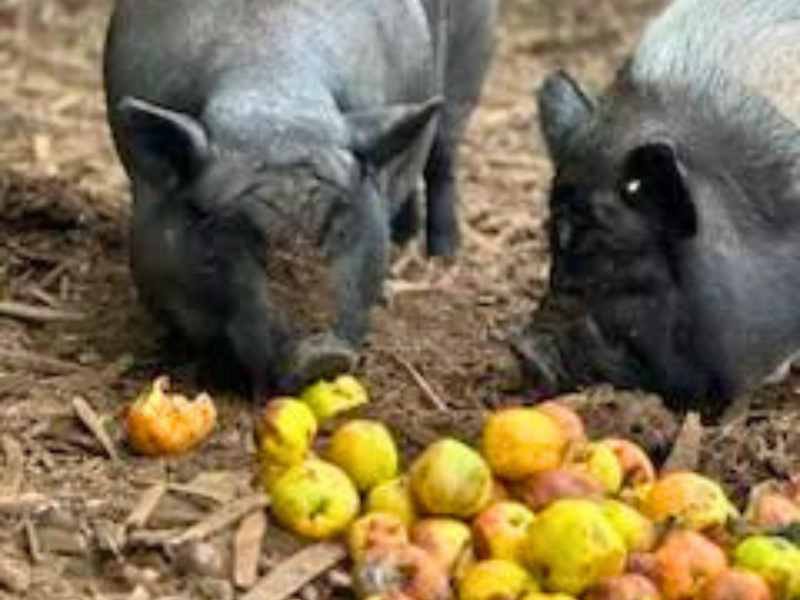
(538, 512)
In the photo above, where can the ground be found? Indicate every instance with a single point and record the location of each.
(63, 211)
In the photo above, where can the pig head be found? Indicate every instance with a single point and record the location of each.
(674, 233)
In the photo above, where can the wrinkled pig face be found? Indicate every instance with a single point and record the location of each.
(622, 222)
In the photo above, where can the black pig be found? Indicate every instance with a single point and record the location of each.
(675, 210)
(251, 127)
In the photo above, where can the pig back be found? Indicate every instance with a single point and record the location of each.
(754, 42)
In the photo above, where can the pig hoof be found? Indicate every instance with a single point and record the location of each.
(320, 357)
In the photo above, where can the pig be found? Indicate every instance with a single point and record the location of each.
(247, 125)
(674, 211)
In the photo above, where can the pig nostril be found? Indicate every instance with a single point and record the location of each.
(321, 356)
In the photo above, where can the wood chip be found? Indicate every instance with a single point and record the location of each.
(151, 538)
(12, 479)
(24, 503)
(61, 541)
(247, 549)
(89, 418)
(685, 454)
(32, 537)
(223, 517)
(292, 574)
(14, 574)
(37, 314)
(218, 486)
(146, 505)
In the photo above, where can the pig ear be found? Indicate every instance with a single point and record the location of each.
(563, 108)
(381, 134)
(169, 147)
(654, 182)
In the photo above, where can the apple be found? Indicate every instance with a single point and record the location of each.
(445, 540)
(501, 529)
(159, 423)
(402, 569)
(395, 497)
(451, 479)
(285, 430)
(572, 546)
(330, 398)
(365, 450)
(374, 529)
(495, 579)
(685, 562)
(518, 442)
(545, 487)
(315, 499)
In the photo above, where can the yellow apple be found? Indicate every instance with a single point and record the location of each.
(365, 450)
(315, 499)
(451, 479)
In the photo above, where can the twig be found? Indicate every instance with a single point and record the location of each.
(40, 314)
(427, 390)
(22, 503)
(247, 549)
(221, 518)
(146, 505)
(38, 362)
(293, 573)
(92, 422)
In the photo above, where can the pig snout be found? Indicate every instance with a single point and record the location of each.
(315, 357)
(559, 352)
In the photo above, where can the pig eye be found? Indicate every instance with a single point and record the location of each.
(631, 188)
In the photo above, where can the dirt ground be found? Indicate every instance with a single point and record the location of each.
(63, 212)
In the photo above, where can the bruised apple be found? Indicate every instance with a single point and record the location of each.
(401, 569)
(598, 461)
(285, 431)
(690, 499)
(159, 423)
(330, 398)
(769, 506)
(630, 586)
(637, 468)
(736, 584)
(500, 530)
(446, 540)
(374, 529)
(569, 421)
(545, 487)
(685, 562)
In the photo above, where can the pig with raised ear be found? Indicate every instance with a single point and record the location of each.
(253, 128)
(675, 210)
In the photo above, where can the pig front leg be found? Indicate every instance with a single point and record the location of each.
(441, 222)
